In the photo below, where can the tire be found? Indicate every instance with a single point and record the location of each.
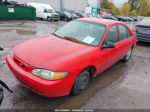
(81, 83)
(127, 56)
(66, 19)
(48, 19)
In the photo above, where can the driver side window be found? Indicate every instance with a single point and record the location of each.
(112, 35)
(45, 11)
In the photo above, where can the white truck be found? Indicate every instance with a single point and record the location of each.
(45, 11)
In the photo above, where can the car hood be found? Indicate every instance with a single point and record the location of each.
(49, 50)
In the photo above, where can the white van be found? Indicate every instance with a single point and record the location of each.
(45, 11)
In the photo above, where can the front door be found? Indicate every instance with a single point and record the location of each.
(110, 56)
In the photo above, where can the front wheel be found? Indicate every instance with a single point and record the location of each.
(81, 83)
(127, 56)
(66, 19)
(48, 19)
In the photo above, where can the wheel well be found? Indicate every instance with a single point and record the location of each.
(91, 69)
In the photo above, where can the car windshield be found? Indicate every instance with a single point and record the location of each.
(83, 32)
(74, 14)
(67, 13)
(145, 22)
(51, 11)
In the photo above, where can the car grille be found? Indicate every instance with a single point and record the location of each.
(55, 16)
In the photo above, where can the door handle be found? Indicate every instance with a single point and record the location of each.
(117, 47)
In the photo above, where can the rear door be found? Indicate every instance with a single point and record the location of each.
(125, 39)
(110, 55)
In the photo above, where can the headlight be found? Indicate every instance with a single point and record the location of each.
(49, 75)
(12, 53)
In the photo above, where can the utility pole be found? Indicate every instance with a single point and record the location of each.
(61, 4)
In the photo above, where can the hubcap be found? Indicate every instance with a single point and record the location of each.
(82, 83)
(48, 19)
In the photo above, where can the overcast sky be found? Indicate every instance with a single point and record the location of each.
(119, 3)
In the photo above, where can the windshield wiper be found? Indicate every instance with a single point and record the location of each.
(56, 35)
(74, 40)
(70, 39)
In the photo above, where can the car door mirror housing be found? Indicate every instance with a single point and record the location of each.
(108, 45)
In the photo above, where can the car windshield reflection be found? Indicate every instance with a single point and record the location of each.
(83, 31)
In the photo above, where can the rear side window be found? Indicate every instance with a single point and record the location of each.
(112, 35)
(124, 32)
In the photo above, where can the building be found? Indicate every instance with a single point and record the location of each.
(74, 5)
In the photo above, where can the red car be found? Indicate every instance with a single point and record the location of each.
(63, 63)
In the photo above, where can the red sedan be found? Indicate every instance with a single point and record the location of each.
(63, 63)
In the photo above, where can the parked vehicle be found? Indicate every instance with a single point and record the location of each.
(109, 17)
(129, 18)
(96, 15)
(63, 63)
(90, 15)
(75, 16)
(83, 15)
(121, 18)
(143, 30)
(69, 15)
(45, 11)
(134, 18)
(78, 14)
(62, 15)
(99, 16)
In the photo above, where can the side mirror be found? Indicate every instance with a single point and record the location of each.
(108, 45)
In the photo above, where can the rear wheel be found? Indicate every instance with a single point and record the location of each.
(128, 56)
(81, 83)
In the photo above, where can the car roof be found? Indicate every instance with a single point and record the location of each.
(100, 21)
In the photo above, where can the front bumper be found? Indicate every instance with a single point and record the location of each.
(55, 18)
(142, 37)
(38, 85)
